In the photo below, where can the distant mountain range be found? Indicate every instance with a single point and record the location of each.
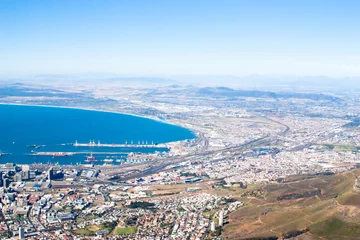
(18, 90)
(229, 92)
(251, 82)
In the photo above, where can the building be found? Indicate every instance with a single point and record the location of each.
(212, 226)
(25, 168)
(27, 175)
(21, 233)
(6, 182)
(18, 177)
(221, 218)
(65, 217)
(50, 174)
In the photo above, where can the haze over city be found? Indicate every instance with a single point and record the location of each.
(179, 119)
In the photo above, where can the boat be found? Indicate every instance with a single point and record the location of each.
(34, 146)
(60, 154)
(3, 153)
(90, 158)
(108, 160)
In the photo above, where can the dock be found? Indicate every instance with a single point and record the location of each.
(65, 154)
(120, 145)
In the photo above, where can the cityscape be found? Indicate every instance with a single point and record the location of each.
(191, 191)
(180, 120)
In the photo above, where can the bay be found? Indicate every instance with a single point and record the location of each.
(56, 129)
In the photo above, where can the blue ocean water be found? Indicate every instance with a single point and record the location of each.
(56, 129)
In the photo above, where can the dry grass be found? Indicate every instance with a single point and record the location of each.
(336, 208)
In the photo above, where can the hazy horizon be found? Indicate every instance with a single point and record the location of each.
(250, 82)
(236, 38)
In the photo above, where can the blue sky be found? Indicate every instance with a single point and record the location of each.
(171, 37)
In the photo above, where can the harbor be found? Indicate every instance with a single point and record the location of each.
(115, 131)
(80, 153)
(140, 144)
(104, 157)
(65, 154)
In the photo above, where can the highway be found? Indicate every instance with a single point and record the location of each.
(159, 165)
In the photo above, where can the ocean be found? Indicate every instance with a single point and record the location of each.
(55, 129)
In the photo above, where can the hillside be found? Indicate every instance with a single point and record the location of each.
(310, 207)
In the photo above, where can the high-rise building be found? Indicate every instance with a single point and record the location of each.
(18, 177)
(221, 218)
(50, 174)
(25, 168)
(6, 182)
(26, 175)
(21, 233)
(212, 226)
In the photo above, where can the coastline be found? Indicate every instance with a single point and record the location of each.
(105, 111)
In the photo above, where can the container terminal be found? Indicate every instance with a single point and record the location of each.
(65, 154)
(141, 144)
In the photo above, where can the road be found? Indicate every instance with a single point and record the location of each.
(160, 165)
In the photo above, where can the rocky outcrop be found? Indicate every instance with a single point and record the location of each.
(356, 186)
(293, 196)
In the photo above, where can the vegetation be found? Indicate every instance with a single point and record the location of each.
(93, 229)
(108, 226)
(144, 205)
(122, 231)
(262, 238)
(84, 232)
(335, 228)
(230, 200)
(341, 148)
(307, 207)
(295, 233)
(131, 221)
(187, 174)
(19, 216)
(299, 195)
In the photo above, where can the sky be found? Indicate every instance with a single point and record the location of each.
(180, 37)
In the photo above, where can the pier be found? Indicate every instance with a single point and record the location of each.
(141, 144)
(65, 154)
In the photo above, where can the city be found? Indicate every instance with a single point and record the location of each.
(179, 120)
(188, 192)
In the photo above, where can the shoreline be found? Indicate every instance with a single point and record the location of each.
(106, 111)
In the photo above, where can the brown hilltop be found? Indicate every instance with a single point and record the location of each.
(304, 207)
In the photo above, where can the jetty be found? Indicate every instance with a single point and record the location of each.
(65, 154)
(140, 144)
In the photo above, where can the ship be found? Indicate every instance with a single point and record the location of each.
(60, 154)
(90, 158)
(34, 146)
(109, 160)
